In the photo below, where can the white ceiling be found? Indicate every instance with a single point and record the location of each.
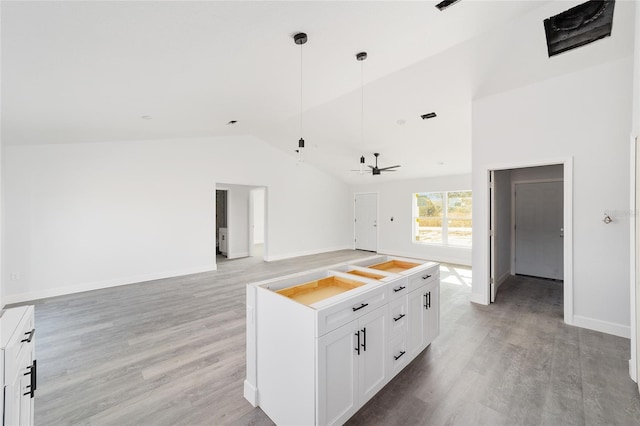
(82, 71)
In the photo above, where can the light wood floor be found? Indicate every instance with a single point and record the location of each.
(171, 352)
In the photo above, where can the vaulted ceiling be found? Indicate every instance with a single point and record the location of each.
(82, 72)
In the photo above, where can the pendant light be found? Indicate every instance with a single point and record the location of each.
(361, 57)
(300, 39)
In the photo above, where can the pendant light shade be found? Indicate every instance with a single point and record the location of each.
(300, 39)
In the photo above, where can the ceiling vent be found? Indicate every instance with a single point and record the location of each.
(579, 25)
(445, 4)
(429, 115)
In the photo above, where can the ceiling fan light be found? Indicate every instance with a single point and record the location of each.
(362, 165)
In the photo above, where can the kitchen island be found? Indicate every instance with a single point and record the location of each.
(321, 343)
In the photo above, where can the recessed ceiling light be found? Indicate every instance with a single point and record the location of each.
(401, 122)
(231, 122)
(146, 117)
(429, 115)
(445, 4)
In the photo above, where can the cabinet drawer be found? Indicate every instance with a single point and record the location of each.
(398, 356)
(18, 323)
(398, 288)
(334, 316)
(420, 278)
(398, 310)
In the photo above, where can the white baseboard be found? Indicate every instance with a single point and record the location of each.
(478, 298)
(602, 326)
(434, 258)
(238, 255)
(503, 278)
(96, 285)
(306, 253)
(251, 393)
(633, 373)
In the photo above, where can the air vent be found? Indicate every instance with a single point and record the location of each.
(429, 115)
(232, 122)
(445, 4)
(579, 25)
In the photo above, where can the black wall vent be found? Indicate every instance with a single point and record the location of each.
(445, 4)
(428, 115)
(579, 25)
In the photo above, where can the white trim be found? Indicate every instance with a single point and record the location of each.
(306, 253)
(602, 326)
(477, 298)
(483, 296)
(435, 258)
(503, 278)
(632, 256)
(97, 285)
(513, 214)
(238, 255)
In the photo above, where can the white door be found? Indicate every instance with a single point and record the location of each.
(366, 222)
(337, 397)
(538, 229)
(372, 369)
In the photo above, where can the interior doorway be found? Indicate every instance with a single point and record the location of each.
(527, 224)
(221, 222)
(242, 209)
(366, 221)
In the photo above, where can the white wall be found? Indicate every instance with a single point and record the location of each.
(585, 116)
(502, 187)
(395, 200)
(82, 216)
(635, 132)
(258, 215)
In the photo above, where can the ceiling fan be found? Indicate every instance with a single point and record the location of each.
(375, 170)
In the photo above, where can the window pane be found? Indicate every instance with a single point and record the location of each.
(430, 216)
(459, 218)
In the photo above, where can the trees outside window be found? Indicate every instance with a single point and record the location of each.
(443, 218)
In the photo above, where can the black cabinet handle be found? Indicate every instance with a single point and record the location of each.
(426, 277)
(397, 357)
(429, 300)
(33, 381)
(360, 307)
(399, 317)
(30, 334)
(364, 339)
(425, 301)
(358, 344)
(397, 289)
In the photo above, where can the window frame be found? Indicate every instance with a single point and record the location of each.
(445, 219)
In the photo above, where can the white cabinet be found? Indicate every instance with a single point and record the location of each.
(313, 360)
(424, 317)
(18, 350)
(351, 366)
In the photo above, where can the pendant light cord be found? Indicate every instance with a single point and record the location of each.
(301, 92)
(362, 104)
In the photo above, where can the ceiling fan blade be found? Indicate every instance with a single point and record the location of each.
(389, 168)
(371, 167)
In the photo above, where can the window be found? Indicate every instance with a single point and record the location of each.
(442, 218)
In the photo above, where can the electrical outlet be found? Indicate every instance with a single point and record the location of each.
(14, 276)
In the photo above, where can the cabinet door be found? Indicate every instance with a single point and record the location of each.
(416, 321)
(337, 397)
(18, 402)
(373, 341)
(432, 314)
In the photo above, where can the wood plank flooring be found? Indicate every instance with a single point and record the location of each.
(172, 351)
